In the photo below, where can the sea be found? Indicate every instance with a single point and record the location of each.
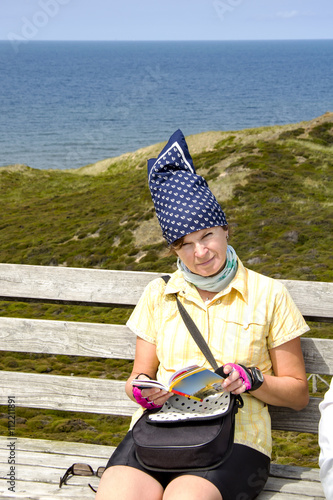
(64, 105)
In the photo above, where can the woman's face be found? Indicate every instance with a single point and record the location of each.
(204, 252)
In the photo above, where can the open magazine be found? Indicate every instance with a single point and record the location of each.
(193, 381)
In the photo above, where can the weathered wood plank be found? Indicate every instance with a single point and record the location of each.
(29, 490)
(44, 482)
(80, 493)
(80, 394)
(56, 448)
(114, 341)
(272, 495)
(311, 489)
(77, 487)
(105, 287)
(72, 285)
(294, 472)
(318, 355)
(278, 495)
(306, 420)
(49, 466)
(65, 337)
(41, 463)
(71, 450)
(313, 298)
(108, 397)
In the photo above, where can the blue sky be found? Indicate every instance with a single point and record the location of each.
(166, 19)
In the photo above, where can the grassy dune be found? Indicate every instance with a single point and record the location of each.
(275, 185)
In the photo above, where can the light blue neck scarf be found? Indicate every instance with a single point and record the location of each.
(213, 283)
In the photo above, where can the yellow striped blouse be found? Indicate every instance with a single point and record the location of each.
(252, 315)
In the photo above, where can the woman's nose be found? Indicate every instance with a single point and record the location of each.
(200, 250)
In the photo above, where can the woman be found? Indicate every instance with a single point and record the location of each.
(246, 318)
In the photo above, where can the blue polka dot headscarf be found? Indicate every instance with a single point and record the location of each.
(182, 199)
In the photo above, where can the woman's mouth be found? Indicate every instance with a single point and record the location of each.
(206, 263)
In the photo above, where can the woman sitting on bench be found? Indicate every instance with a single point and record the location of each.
(251, 325)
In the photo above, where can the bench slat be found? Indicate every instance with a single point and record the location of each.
(55, 449)
(105, 287)
(29, 490)
(77, 488)
(40, 463)
(114, 341)
(303, 487)
(108, 397)
(294, 472)
(318, 355)
(66, 337)
(72, 285)
(313, 298)
(291, 495)
(56, 392)
(273, 495)
(48, 467)
(306, 420)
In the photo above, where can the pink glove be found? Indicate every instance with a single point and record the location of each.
(144, 402)
(244, 374)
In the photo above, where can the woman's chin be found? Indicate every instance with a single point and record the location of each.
(210, 271)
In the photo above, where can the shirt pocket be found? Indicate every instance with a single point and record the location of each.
(243, 340)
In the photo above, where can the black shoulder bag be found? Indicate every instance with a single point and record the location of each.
(186, 435)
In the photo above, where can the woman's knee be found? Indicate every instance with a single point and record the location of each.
(128, 483)
(189, 487)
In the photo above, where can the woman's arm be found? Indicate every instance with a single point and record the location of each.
(288, 386)
(146, 362)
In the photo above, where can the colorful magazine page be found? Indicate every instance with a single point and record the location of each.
(194, 382)
(198, 385)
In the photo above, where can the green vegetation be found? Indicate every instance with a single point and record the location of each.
(275, 185)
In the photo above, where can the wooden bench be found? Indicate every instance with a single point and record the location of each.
(40, 463)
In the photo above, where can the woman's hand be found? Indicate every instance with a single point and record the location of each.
(236, 381)
(156, 396)
(287, 386)
(149, 397)
(145, 367)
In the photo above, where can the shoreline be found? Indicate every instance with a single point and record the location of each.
(204, 141)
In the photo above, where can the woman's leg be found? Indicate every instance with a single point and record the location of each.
(191, 488)
(121, 482)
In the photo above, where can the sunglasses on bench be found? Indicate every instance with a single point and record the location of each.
(81, 470)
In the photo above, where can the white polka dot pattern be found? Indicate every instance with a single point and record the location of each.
(183, 408)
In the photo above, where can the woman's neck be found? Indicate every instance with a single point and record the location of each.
(217, 282)
(206, 296)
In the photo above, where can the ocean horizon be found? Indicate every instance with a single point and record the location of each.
(68, 104)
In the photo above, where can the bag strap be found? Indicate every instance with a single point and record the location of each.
(194, 331)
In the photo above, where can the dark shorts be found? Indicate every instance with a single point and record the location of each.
(241, 477)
